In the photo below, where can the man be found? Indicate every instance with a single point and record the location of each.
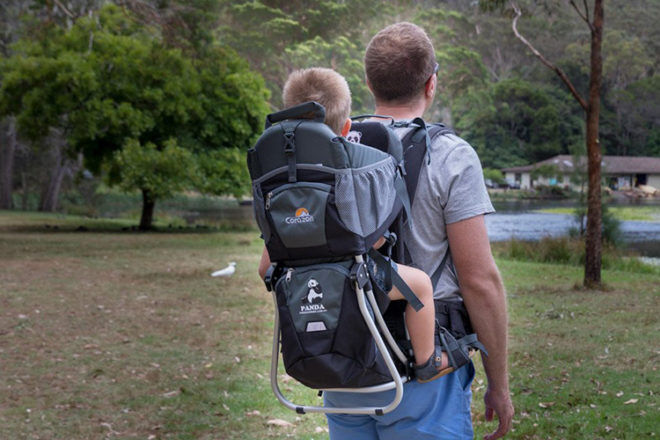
(448, 211)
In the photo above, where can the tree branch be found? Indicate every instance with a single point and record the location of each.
(586, 11)
(547, 63)
(64, 9)
(582, 15)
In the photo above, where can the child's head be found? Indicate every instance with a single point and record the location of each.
(324, 86)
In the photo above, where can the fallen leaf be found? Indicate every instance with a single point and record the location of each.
(628, 402)
(279, 422)
(619, 394)
(225, 407)
(546, 404)
(172, 393)
(253, 413)
(608, 429)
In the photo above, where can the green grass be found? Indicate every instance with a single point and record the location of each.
(111, 334)
(630, 213)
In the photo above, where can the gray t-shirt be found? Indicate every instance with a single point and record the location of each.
(451, 188)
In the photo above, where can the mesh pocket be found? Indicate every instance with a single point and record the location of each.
(365, 196)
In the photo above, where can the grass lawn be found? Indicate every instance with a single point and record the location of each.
(624, 213)
(116, 334)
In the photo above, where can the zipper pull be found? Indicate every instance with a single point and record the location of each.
(288, 274)
(268, 196)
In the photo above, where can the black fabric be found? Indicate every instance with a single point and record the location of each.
(345, 357)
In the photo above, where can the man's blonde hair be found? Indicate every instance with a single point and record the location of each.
(398, 61)
(324, 86)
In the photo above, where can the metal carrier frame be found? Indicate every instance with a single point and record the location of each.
(364, 293)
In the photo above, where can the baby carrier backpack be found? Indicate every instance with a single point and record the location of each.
(321, 202)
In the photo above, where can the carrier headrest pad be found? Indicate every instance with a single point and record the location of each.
(376, 135)
(315, 143)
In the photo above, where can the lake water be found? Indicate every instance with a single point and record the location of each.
(519, 220)
(512, 220)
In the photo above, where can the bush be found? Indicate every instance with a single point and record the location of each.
(570, 251)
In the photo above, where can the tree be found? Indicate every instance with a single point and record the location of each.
(591, 107)
(158, 173)
(109, 85)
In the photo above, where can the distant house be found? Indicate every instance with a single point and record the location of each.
(618, 172)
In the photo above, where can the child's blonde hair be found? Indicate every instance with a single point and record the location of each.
(324, 86)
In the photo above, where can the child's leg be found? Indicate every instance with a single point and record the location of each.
(421, 324)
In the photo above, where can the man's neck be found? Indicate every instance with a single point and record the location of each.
(401, 111)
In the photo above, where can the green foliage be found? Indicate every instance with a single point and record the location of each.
(494, 174)
(109, 83)
(223, 171)
(515, 122)
(569, 251)
(162, 172)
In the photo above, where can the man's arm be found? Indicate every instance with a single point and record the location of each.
(484, 297)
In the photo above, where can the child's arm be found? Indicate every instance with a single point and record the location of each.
(264, 264)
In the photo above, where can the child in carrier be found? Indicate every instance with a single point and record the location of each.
(330, 89)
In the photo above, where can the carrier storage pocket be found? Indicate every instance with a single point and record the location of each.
(325, 341)
(365, 197)
(297, 211)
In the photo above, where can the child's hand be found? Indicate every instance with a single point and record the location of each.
(379, 243)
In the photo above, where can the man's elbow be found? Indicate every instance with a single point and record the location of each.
(486, 284)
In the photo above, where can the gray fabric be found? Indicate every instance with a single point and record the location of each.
(298, 212)
(362, 155)
(451, 188)
(366, 196)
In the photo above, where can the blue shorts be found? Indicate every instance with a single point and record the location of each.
(439, 409)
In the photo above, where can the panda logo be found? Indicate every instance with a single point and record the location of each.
(314, 294)
(354, 136)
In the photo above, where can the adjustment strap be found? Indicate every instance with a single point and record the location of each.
(406, 291)
(472, 341)
(457, 354)
(289, 133)
(438, 272)
(402, 193)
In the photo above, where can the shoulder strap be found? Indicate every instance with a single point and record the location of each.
(416, 144)
(435, 277)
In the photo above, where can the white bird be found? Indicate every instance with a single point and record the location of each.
(227, 271)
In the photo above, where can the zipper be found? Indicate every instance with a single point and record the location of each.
(330, 266)
(268, 197)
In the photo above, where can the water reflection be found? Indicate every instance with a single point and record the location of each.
(520, 221)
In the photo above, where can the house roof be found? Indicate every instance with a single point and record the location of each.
(610, 165)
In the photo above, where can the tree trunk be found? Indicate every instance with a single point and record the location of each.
(148, 204)
(593, 242)
(7, 154)
(51, 190)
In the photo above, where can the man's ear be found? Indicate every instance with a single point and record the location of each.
(347, 127)
(431, 86)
